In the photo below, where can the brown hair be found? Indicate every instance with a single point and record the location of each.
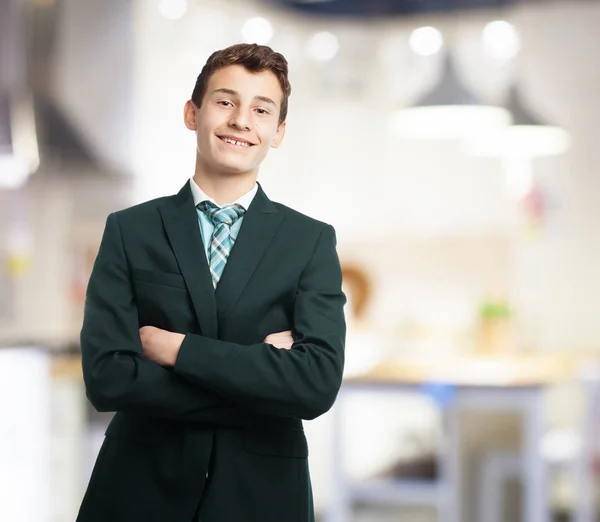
(255, 58)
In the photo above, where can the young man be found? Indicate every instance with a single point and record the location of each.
(213, 325)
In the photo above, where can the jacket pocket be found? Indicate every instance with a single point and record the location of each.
(158, 278)
(276, 443)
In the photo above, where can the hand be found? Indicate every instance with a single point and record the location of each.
(160, 346)
(281, 340)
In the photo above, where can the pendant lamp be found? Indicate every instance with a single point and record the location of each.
(449, 111)
(528, 136)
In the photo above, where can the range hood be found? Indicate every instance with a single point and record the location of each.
(34, 131)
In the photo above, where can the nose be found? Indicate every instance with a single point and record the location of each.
(240, 120)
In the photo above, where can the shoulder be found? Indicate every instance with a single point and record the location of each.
(144, 210)
(302, 221)
(315, 238)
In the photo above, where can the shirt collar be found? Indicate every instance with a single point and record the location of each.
(199, 196)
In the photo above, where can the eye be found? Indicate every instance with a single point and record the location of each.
(262, 111)
(225, 103)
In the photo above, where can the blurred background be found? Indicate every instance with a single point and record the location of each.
(470, 128)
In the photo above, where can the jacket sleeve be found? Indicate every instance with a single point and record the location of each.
(116, 374)
(302, 382)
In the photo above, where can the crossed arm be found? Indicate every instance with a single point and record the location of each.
(198, 379)
(162, 346)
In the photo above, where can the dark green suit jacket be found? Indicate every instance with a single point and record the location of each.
(220, 433)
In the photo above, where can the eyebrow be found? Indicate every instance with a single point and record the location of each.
(231, 92)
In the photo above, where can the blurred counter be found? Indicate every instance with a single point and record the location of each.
(533, 370)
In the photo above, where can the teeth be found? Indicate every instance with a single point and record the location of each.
(234, 142)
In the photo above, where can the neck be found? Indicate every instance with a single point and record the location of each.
(225, 188)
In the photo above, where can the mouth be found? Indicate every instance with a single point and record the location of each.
(239, 143)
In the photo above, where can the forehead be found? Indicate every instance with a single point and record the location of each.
(247, 83)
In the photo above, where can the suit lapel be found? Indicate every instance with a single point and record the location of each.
(181, 224)
(258, 229)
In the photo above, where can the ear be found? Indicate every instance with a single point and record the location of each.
(276, 141)
(189, 115)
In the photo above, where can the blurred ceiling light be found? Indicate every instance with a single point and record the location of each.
(426, 41)
(173, 9)
(257, 30)
(323, 46)
(449, 111)
(501, 40)
(528, 136)
(19, 155)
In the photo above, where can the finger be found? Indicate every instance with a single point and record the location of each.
(285, 332)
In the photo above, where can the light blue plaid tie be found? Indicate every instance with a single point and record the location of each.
(221, 241)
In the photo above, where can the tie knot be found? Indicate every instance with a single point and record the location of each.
(227, 215)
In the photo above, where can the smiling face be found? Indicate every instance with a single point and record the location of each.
(237, 121)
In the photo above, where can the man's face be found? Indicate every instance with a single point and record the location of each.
(237, 122)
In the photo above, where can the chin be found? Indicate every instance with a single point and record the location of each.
(233, 168)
